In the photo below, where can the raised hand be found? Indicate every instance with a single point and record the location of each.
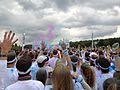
(43, 45)
(63, 45)
(7, 43)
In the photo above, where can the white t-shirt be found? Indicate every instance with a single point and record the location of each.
(101, 80)
(52, 62)
(3, 73)
(98, 73)
(12, 76)
(34, 69)
(26, 85)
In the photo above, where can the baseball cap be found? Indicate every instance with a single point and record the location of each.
(42, 58)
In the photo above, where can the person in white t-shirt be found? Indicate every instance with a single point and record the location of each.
(24, 82)
(12, 74)
(41, 62)
(104, 65)
(5, 47)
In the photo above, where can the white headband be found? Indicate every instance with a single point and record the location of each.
(23, 73)
(74, 62)
(87, 61)
(96, 64)
(12, 61)
(55, 55)
(102, 67)
(92, 59)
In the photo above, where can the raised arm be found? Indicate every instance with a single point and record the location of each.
(66, 56)
(6, 44)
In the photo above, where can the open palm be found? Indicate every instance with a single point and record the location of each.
(7, 42)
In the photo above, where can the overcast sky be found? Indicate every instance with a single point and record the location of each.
(71, 19)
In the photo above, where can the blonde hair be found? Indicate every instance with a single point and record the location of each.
(89, 74)
(61, 78)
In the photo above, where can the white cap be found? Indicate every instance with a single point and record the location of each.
(40, 59)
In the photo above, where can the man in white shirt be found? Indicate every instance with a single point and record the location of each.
(24, 82)
(104, 65)
(12, 75)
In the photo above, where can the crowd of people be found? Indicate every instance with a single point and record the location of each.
(59, 68)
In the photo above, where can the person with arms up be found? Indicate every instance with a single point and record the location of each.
(6, 45)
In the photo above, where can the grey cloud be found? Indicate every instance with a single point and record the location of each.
(99, 31)
(5, 17)
(88, 19)
(100, 21)
(27, 4)
(113, 12)
(35, 5)
(99, 4)
(64, 4)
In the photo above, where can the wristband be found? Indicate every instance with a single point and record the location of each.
(3, 55)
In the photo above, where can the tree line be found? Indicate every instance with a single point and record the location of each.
(97, 42)
(86, 43)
